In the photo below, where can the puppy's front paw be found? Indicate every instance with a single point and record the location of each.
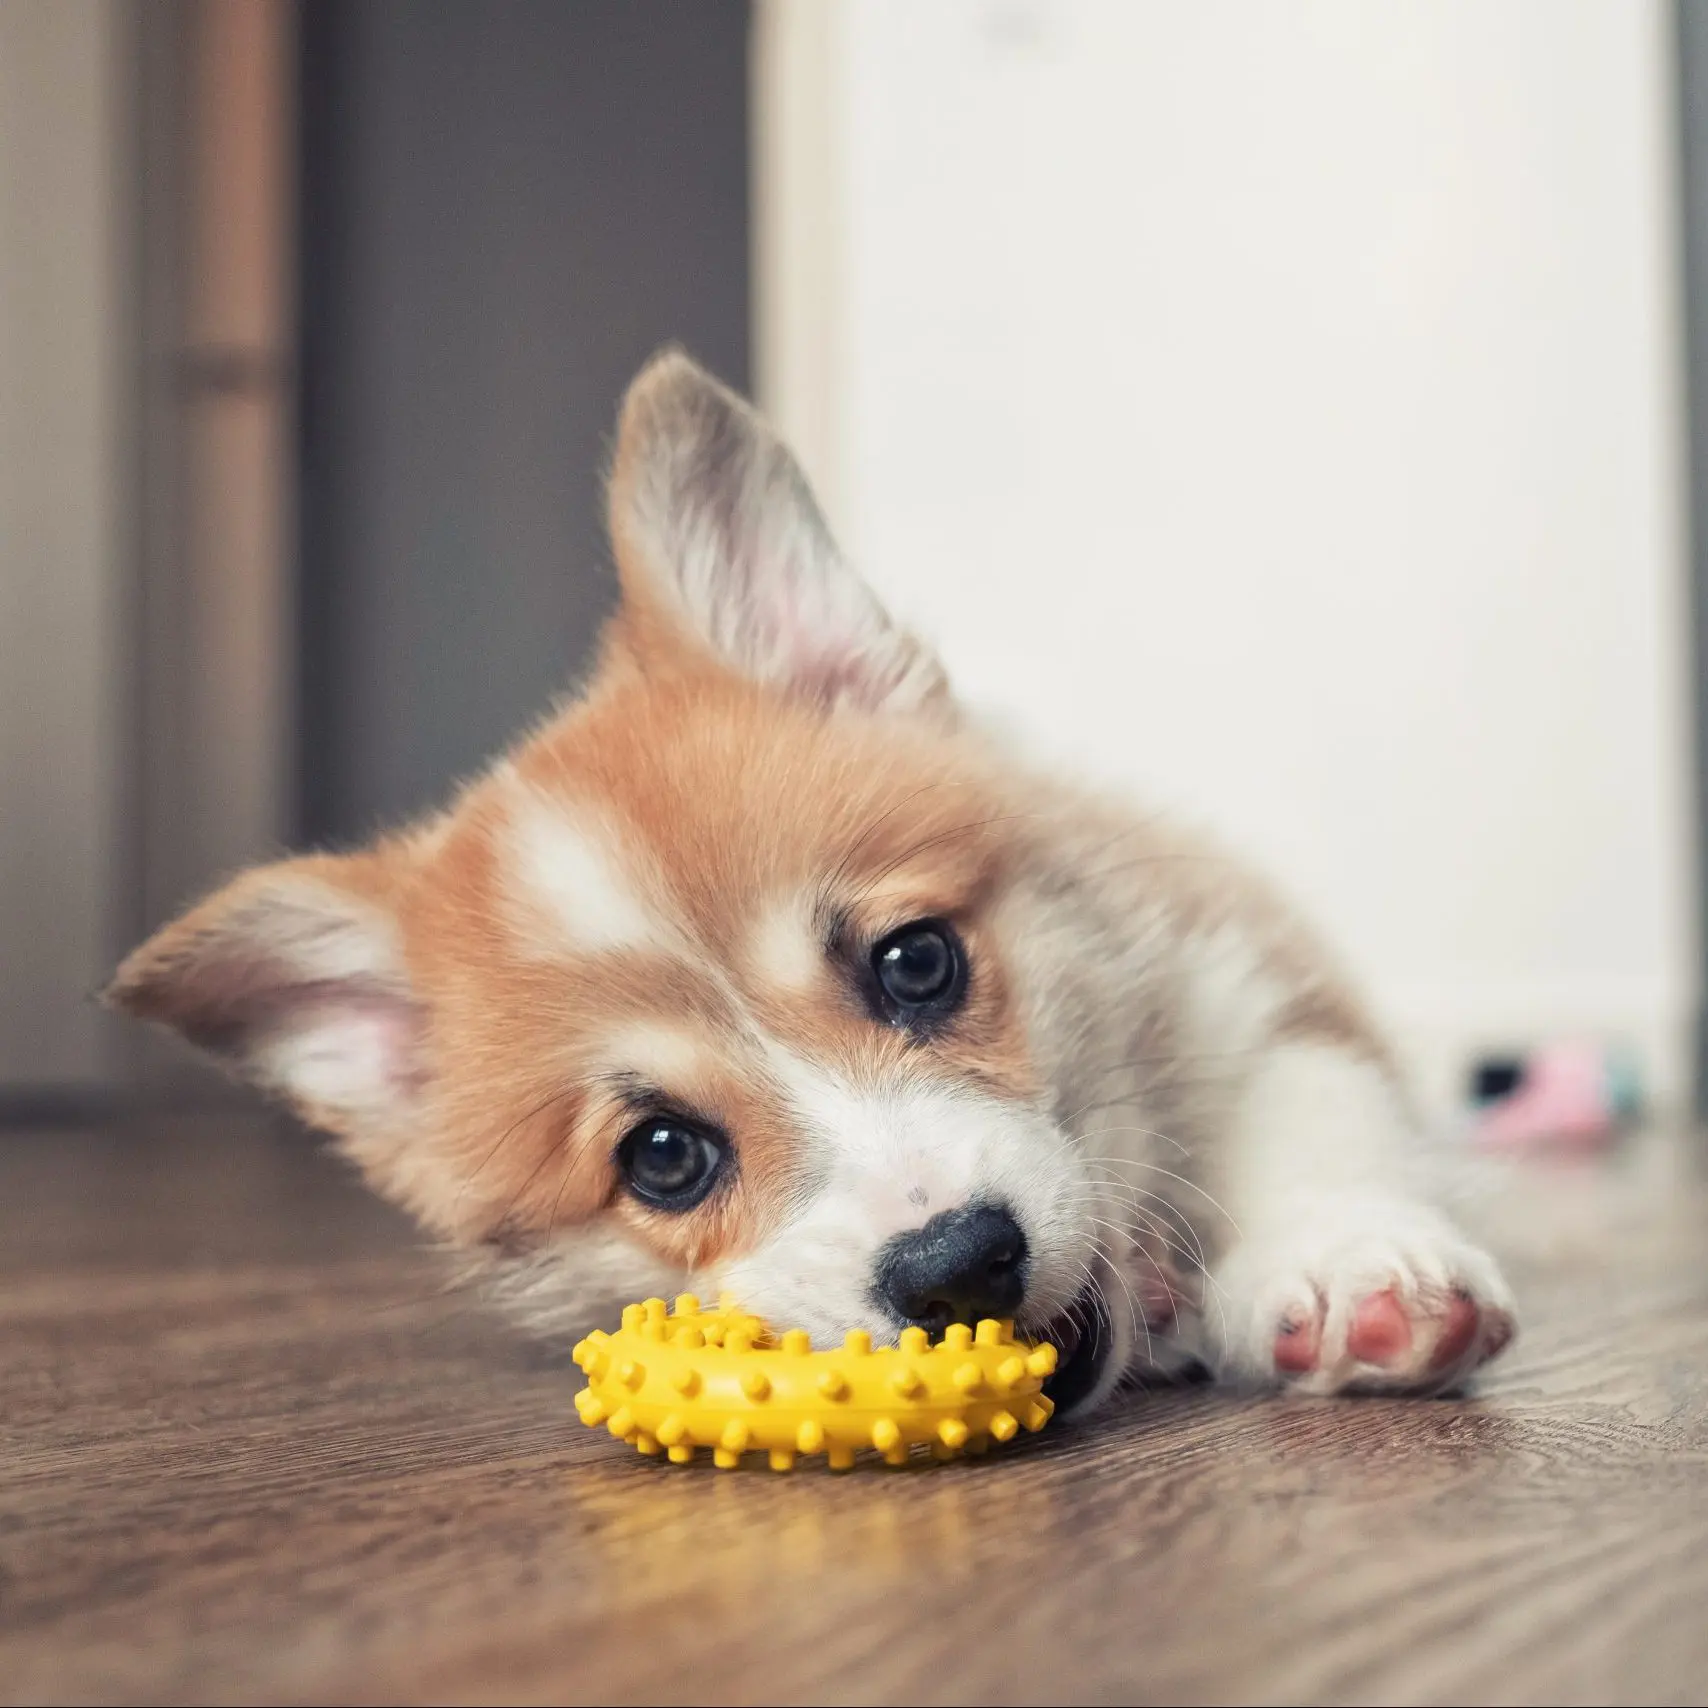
(1369, 1297)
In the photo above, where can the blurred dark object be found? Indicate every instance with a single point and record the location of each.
(1571, 1094)
(1495, 1077)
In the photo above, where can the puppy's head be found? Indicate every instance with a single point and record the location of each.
(725, 962)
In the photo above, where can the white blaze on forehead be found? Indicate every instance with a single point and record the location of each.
(570, 870)
(785, 951)
(910, 1134)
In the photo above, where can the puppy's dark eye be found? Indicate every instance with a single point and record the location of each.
(921, 969)
(669, 1164)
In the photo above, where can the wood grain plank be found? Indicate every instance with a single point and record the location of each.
(251, 1450)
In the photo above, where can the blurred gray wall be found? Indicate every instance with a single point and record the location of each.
(504, 208)
(62, 374)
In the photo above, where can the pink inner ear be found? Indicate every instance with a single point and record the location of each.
(357, 1051)
(293, 977)
(816, 673)
(816, 666)
(347, 1043)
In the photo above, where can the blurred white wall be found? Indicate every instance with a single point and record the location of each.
(61, 481)
(1277, 410)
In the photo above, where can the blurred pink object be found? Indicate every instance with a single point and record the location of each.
(1571, 1094)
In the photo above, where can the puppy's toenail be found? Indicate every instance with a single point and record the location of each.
(1296, 1345)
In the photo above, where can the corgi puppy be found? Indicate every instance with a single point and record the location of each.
(759, 967)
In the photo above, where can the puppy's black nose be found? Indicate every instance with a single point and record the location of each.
(962, 1265)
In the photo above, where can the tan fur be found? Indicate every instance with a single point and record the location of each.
(725, 796)
(786, 761)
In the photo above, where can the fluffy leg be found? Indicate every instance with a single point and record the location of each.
(1342, 1275)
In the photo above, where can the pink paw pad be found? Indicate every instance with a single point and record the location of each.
(1409, 1341)
(1298, 1344)
(1381, 1331)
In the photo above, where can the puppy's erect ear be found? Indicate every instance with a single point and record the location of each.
(293, 976)
(718, 538)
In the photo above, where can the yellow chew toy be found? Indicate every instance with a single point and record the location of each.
(674, 1381)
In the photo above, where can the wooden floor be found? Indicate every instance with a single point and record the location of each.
(250, 1449)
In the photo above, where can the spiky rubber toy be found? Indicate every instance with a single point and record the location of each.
(676, 1381)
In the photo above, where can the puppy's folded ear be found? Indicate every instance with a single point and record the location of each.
(721, 546)
(293, 976)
